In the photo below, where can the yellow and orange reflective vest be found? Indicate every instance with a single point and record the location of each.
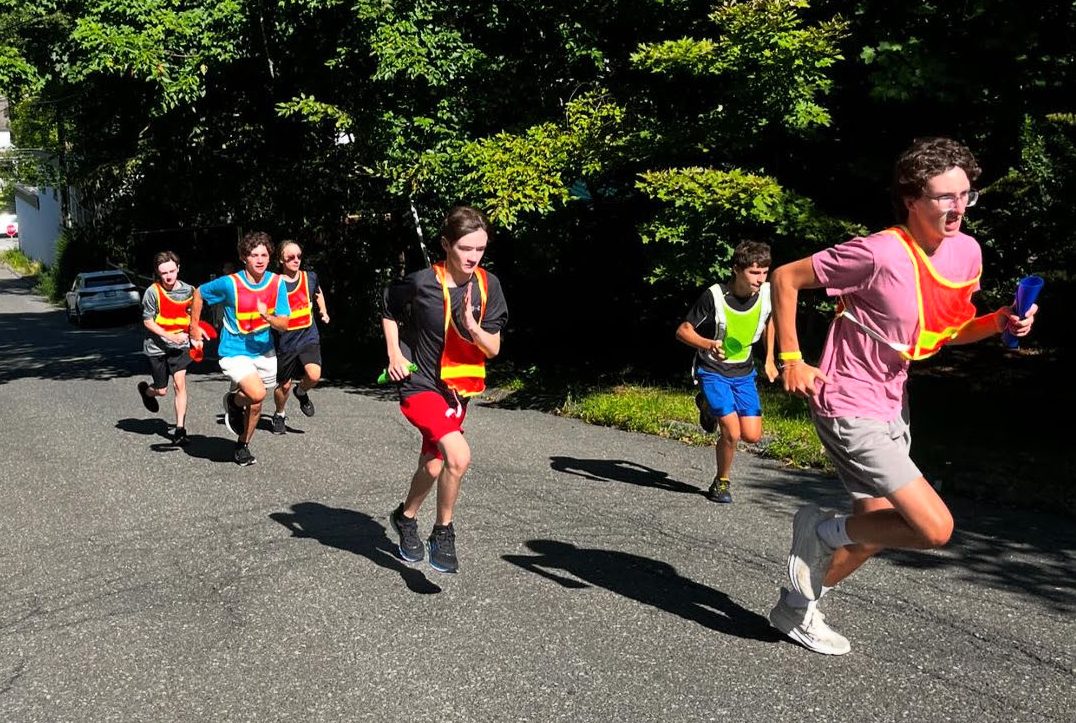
(463, 363)
(246, 302)
(302, 306)
(944, 305)
(172, 316)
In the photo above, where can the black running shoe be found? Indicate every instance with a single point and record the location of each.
(180, 437)
(243, 457)
(443, 549)
(410, 547)
(234, 416)
(278, 424)
(706, 420)
(150, 403)
(305, 405)
(719, 491)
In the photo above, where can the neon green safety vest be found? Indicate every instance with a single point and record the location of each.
(738, 330)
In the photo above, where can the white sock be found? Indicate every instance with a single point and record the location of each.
(833, 532)
(824, 591)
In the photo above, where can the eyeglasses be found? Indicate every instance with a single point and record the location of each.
(293, 257)
(949, 201)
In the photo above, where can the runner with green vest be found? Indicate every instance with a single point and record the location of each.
(723, 326)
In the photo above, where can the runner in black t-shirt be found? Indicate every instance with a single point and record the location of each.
(447, 320)
(722, 327)
(298, 349)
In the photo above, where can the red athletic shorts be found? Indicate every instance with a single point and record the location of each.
(432, 414)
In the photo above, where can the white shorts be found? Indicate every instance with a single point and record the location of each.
(237, 368)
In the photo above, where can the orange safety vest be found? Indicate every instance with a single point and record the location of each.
(172, 316)
(463, 364)
(246, 302)
(301, 304)
(944, 305)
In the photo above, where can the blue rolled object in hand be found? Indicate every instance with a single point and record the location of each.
(1026, 294)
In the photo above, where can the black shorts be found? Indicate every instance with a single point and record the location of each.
(166, 365)
(289, 365)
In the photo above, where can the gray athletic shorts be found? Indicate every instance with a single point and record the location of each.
(871, 456)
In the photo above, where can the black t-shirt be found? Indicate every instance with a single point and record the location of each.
(416, 303)
(703, 316)
(290, 342)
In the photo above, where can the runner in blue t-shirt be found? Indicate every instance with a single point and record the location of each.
(254, 301)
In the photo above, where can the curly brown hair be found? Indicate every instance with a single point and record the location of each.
(252, 240)
(748, 253)
(924, 159)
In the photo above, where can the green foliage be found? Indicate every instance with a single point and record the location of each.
(19, 262)
(789, 435)
(166, 43)
(708, 212)
(532, 171)
(773, 68)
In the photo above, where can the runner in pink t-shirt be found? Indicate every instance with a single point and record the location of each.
(857, 391)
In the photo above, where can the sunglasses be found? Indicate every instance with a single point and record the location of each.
(293, 257)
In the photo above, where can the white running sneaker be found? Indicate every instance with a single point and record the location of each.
(808, 560)
(807, 626)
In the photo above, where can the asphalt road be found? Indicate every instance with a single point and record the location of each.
(144, 582)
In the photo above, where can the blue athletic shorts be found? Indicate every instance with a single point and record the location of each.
(726, 395)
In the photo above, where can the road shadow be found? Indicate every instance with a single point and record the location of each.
(644, 580)
(990, 545)
(621, 470)
(43, 345)
(353, 532)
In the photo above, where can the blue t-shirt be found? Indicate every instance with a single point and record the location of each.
(232, 343)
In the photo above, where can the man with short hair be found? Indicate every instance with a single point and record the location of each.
(723, 327)
(902, 293)
(166, 317)
(254, 301)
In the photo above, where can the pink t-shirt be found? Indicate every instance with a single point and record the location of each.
(867, 377)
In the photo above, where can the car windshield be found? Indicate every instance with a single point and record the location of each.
(91, 282)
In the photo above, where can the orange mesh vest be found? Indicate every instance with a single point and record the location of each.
(301, 304)
(246, 302)
(463, 364)
(944, 306)
(172, 316)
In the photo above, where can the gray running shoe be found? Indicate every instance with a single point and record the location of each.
(305, 405)
(410, 548)
(807, 626)
(243, 456)
(808, 560)
(442, 544)
(278, 424)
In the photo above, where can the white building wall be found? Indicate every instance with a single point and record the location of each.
(38, 211)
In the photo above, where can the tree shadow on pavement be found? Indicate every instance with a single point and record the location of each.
(644, 580)
(353, 532)
(621, 470)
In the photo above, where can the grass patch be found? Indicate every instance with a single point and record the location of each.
(20, 263)
(788, 435)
